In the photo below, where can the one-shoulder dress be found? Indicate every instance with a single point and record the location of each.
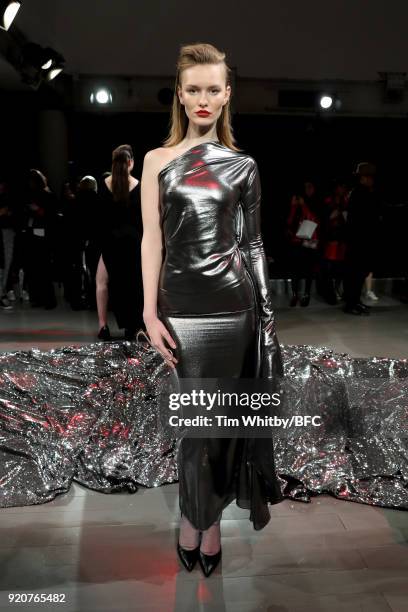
(214, 298)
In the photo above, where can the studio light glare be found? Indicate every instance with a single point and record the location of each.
(38, 64)
(9, 10)
(326, 102)
(54, 72)
(101, 96)
(52, 62)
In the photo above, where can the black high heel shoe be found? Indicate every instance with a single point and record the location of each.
(208, 563)
(104, 334)
(188, 557)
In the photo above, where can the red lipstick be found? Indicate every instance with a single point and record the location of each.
(203, 113)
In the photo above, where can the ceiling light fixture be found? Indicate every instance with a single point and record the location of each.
(326, 102)
(9, 10)
(101, 96)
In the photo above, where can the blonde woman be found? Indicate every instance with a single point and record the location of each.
(207, 306)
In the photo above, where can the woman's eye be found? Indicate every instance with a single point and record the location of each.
(215, 91)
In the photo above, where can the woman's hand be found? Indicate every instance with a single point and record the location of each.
(158, 335)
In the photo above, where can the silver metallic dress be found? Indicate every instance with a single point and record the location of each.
(214, 298)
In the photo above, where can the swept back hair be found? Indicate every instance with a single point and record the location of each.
(189, 56)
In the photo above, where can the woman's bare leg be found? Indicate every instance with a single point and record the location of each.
(102, 293)
(189, 535)
(211, 539)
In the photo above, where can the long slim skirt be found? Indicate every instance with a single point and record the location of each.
(215, 471)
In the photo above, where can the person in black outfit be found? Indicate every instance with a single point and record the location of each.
(69, 253)
(120, 262)
(303, 253)
(39, 224)
(7, 236)
(82, 236)
(88, 205)
(362, 234)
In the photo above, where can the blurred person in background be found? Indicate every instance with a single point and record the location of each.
(90, 212)
(82, 230)
(334, 216)
(119, 278)
(304, 240)
(7, 237)
(38, 228)
(369, 292)
(311, 197)
(72, 247)
(362, 237)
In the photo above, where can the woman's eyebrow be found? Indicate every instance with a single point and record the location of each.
(198, 86)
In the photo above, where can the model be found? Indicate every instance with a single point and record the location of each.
(207, 305)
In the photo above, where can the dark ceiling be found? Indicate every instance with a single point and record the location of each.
(336, 39)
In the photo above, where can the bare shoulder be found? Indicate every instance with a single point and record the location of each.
(155, 159)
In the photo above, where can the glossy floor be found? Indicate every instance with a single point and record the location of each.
(117, 552)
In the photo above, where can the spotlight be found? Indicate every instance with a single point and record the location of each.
(52, 62)
(326, 102)
(54, 72)
(40, 64)
(101, 96)
(49, 57)
(9, 11)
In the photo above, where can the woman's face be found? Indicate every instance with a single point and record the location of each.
(203, 93)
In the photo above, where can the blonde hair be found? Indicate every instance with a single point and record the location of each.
(193, 55)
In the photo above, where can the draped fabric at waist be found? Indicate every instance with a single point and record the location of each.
(222, 286)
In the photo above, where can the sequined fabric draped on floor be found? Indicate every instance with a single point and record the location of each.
(91, 414)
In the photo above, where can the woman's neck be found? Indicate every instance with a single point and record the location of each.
(132, 181)
(194, 136)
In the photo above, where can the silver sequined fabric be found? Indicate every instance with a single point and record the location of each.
(361, 451)
(91, 414)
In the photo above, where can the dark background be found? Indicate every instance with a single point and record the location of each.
(290, 40)
(287, 149)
